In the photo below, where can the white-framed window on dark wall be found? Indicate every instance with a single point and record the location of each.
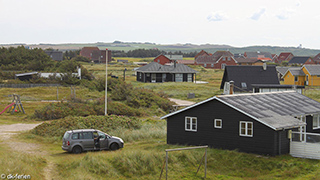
(191, 124)
(246, 128)
(217, 123)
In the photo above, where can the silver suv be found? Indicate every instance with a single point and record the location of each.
(80, 140)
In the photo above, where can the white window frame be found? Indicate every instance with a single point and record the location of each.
(246, 134)
(316, 117)
(215, 123)
(189, 77)
(179, 77)
(192, 121)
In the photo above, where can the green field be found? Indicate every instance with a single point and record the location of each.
(144, 152)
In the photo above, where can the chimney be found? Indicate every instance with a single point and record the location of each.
(264, 66)
(231, 87)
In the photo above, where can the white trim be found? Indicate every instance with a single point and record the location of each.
(246, 128)
(215, 123)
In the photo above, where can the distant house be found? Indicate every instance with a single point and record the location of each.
(274, 58)
(218, 60)
(294, 76)
(249, 61)
(96, 55)
(316, 59)
(245, 76)
(312, 77)
(266, 56)
(155, 72)
(55, 55)
(88, 52)
(186, 62)
(301, 60)
(164, 59)
(254, 122)
(284, 56)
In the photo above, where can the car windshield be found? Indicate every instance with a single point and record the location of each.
(103, 135)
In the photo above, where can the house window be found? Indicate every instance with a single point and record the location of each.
(148, 74)
(218, 123)
(189, 77)
(229, 58)
(295, 78)
(179, 77)
(164, 77)
(244, 85)
(158, 60)
(316, 121)
(205, 65)
(246, 129)
(223, 66)
(140, 76)
(153, 77)
(211, 65)
(191, 124)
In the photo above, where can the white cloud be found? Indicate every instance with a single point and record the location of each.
(285, 13)
(256, 16)
(217, 16)
(298, 3)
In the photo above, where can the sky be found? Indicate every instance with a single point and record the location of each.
(238, 23)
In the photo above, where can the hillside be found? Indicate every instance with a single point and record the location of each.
(211, 48)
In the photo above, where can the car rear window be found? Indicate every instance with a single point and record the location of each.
(66, 135)
(75, 136)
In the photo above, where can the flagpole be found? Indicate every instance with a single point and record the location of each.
(106, 89)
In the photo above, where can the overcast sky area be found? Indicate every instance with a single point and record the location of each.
(237, 23)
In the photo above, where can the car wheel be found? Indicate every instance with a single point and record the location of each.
(76, 150)
(114, 146)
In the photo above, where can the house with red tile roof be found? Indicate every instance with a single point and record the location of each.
(284, 56)
(96, 55)
(316, 59)
(218, 60)
(88, 51)
(265, 56)
(166, 59)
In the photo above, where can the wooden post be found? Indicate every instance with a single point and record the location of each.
(166, 165)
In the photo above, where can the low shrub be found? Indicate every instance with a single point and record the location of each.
(104, 123)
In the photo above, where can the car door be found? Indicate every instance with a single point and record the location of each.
(103, 140)
(87, 140)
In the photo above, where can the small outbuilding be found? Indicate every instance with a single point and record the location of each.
(253, 122)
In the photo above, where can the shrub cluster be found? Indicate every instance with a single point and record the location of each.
(104, 123)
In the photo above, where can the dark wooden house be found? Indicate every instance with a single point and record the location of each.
(254, 122)
(244, 76)
(155, 72)
(55, 55)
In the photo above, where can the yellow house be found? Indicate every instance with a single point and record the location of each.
(312, 74)
(294, 76)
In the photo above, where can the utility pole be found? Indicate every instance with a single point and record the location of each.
(106, 89)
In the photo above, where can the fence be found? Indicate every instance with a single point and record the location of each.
(27, 85)
(188, 148)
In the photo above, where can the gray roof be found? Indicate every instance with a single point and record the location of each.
(299, 60)
(282, 70)
(155, 67)
(55, 55)
(274, 109)
(174, 57)
(296, 72)
(26, 74)
(313, 69)
(258, 53)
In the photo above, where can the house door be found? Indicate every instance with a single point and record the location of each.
(307, 80)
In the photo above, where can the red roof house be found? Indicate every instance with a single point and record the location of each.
(284, 56)
(218, 60)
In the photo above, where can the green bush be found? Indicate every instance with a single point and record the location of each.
(104, 123)
(61, 110)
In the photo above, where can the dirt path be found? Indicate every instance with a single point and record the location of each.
(6, 133)
(181, 102)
